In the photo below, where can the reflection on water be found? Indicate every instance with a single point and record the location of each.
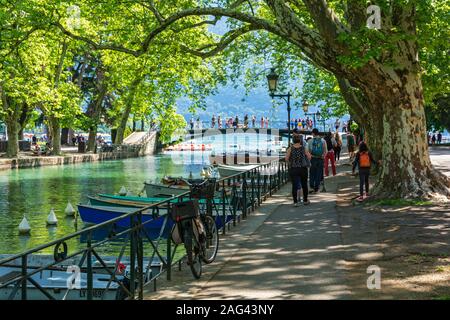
(33, 192)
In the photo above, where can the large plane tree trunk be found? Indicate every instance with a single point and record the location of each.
(406, 169)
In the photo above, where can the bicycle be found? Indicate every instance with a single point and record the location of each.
(197, 231)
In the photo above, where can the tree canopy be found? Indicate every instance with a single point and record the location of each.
(384, 74)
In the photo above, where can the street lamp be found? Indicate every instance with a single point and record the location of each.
(305, 106)
(314, 114)
(305, 109)
(272, 81)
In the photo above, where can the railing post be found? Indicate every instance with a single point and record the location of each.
(24, 277)
(169, 248)
(132, 258)
(224, 211)
(259, 186)
(140, 257)
(270, 180)
(234, 200)
(90, 280)
(279, 175)
(253, 172)
(244, 195)
(265, 182)
(169, 258)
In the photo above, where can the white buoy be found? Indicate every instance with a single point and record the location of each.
(70, 211)
(24, 226)
(51, 219)
(123, 191)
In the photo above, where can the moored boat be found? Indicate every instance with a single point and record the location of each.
(228, 170)
(55, 282)
(163, 191)
(242, 158)
(98, 214)
(97, 201)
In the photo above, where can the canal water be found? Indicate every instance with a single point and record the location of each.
(34, 192)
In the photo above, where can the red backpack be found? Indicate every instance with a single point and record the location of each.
(364, 160)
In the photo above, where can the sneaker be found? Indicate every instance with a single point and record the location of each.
(360, 198)
(307, 202)
(295, 204)
(311, 191)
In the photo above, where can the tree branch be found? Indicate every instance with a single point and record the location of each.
(151, 6)
(94, 44)
(227, 39)
(296, 32)
(356, 14)
(327, 22)
(350, 97)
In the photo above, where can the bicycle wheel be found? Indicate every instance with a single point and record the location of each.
(212, 240)
(193, 253)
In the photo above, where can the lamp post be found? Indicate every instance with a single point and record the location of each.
(272, 80)
(314, 114)
(319, 119)
(305, 109)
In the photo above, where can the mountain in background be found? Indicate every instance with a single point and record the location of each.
(230, 101)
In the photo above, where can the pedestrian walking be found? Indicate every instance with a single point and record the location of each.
(262, 122)
(219, 122)
(267, 122)
(213, 121)
(298, 158)
(363, 160)
(318, 149)
(439, 137)
(433, 138)
(253, 121)
(246, 121)
(329, 157)
(338, 148)
(351, 145)
(337, 124)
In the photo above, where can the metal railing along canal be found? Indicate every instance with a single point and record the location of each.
(151, 253)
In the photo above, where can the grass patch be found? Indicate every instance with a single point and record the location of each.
(444, 297)
(440, 269)
(400, 202)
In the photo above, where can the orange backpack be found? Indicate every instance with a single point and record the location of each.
(364, 160)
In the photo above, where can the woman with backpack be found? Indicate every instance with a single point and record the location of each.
(298, 158)
(364, 160)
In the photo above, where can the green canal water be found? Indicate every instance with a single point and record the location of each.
(34, 192)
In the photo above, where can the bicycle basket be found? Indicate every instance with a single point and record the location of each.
(185, 210)
(204, 190)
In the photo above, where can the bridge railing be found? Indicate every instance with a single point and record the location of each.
(119, 257)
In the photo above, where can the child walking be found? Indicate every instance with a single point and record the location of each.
(364, 160)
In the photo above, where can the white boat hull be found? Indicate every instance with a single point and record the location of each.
(56, 284)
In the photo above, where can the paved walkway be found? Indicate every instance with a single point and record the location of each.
(282, 252)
